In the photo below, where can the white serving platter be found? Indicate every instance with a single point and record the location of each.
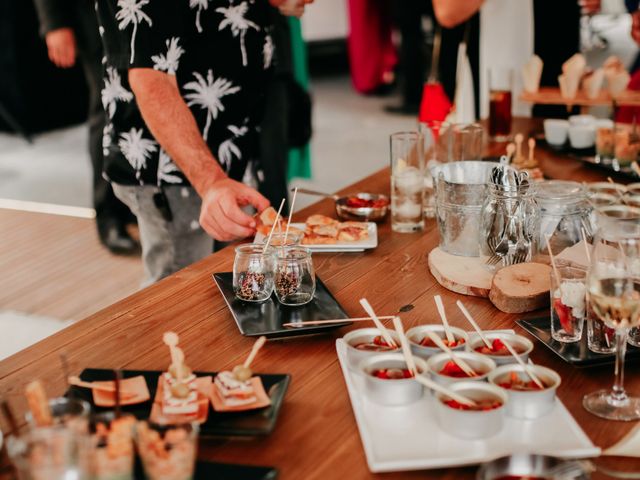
(360, 246)
(409, 438)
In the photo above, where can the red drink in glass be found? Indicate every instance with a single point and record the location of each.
(500, 114)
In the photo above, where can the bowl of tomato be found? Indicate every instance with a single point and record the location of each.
(365, 207)
(445, 371)
(388, 380)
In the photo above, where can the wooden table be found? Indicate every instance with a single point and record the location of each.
(552, 96)
(316, 435)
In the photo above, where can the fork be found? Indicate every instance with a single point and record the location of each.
(492, 242)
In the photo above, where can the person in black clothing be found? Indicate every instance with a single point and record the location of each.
(70, 30)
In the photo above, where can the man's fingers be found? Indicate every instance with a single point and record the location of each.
(254, 198)
(222, 227)
(229, 206)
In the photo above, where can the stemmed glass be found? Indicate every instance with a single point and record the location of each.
(613, 288)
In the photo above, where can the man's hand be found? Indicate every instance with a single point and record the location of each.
(291, 8)
(635, 26)
(221, 215)
(61, 44)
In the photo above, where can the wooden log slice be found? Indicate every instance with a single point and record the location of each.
(521, 288)
(465, 275)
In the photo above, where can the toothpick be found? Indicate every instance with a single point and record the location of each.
(464, 366)
(336, 320)
(266, 245)
(117, 379)
(519, 138)
(586, 245)
(526, 367)
(383, 331)
(254, 351)
(553, 262)
(443, 316)
(532, 147)
(293, 202)
(406, 349)
(473, 323)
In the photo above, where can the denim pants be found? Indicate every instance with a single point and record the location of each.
(168, 245)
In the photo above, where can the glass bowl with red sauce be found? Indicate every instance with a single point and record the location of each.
(523, 466)
(388, 381)
(526, 399)
(483, 421)
(423, 346)
(366, 342)
(498, 352)
(444, 371)
(365, 207)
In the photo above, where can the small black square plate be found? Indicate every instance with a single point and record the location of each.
(576, 353)
(248, 423)
(222, 471)
(266, 318)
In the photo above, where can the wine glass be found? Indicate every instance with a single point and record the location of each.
(613, 289)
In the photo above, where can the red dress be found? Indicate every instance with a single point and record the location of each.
(371, 51)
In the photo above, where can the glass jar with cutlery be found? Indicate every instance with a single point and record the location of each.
(509, 221)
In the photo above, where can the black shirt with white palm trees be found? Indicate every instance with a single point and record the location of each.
(220, 52)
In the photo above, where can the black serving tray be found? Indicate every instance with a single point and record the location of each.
(248, 423)
(266, 318)
(576, 353)
(222, 471)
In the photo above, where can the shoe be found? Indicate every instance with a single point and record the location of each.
(403, 109)
(115, 237)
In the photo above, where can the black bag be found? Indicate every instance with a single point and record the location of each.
(299, 105)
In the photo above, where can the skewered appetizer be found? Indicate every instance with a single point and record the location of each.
(180, 392)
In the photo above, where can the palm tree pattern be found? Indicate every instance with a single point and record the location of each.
(136, 149)
(200, 5)
(207, 94)
(228, 149)
(167, 169)
(113, 91)
(169, 62)
(234, 18)
(267, 51)
(131, 13)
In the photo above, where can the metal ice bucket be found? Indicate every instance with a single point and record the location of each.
(460, 189)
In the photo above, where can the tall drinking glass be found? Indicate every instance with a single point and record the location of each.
(467, 140)
(613, 286)
(500, 85)
(407, 182)
(437, 150)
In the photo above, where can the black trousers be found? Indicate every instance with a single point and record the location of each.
(108, 207)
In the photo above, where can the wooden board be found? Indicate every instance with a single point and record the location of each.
(465, 275)
(552, 96)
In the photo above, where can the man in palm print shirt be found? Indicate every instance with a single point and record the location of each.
(183, 91)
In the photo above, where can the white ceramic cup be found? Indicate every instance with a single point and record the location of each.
(582, 136)
(582, 120)
(555, 131)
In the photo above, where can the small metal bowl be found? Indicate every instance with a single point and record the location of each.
(362, 214)
(523, 465)
(416, 334)
(471, 424)
(363, 335)
(516, 341)
(479, 363)
(391, 392)
(528, 404)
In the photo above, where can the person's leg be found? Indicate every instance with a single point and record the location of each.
(167, 246)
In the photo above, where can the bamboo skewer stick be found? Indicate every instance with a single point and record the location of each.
(293, 202)
(383, 331)
(464, 366)
(443, 316)
(527, 368)
(473, 323)
(336, 320)
(254, 351)
(266, 245)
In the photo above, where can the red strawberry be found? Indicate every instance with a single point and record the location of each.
(564, 315)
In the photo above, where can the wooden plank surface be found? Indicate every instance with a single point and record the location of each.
(316, 436)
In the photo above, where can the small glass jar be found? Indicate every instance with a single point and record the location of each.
(253, 270)
(295, 278)
(564, 213)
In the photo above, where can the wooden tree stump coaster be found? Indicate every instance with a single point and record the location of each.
(521, 288)
(465, 275)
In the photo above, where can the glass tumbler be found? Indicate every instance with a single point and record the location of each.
(437, 150)
(467, 140)
(568, 304)
(295, 278)
(253, 270)
(407, 182)
(168, 452)
(500, 84)
(600, 337)
(107, 452)
(72, 413)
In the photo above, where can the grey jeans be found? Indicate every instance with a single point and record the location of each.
(167, 246)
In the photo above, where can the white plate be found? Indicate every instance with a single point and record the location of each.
(360, 246)
(409, 438)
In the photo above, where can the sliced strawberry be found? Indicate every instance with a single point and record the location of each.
(564, 315)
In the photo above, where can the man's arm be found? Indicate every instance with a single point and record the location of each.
(172, 124)
(451, 13)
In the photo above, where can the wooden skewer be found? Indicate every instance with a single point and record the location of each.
(511, 149)
(336, 320)
(527, 368)
(117, 381)
(532, 148)
(443, 316)
(473, 323)
(383, 331)
(553, 262)
(75, 381)
(444, 390)
(464, 366)
(273, 227)
(406, 349)
(586, 245)
(254, 351)
(293, 202)
(519, 138)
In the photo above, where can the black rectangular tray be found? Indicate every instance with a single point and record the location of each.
(576, 353)
(248, 423)
(266, 318)
(222, 471)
